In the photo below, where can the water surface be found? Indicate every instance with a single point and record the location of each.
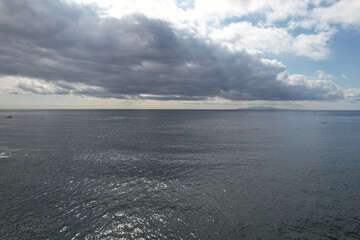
(117, 174)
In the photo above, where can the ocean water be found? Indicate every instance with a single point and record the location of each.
(117, 174)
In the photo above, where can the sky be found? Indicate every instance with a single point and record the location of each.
(141, 54)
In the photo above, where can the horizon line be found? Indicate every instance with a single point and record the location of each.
(174, 109)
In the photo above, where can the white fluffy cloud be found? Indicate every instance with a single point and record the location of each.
(312, 45)
(344, 12)
(243, 35)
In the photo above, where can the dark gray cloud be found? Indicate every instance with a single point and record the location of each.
(73, 50)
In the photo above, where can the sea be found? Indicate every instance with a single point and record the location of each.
(179, 174)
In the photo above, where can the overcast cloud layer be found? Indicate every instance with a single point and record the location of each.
(58, 47)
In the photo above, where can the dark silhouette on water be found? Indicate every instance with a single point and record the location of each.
(10, 116)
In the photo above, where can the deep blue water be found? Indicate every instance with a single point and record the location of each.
(117, 174)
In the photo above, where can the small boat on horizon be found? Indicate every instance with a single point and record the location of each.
(10, 116)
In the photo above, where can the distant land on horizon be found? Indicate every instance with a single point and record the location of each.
(262, 108)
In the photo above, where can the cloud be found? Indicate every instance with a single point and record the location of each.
(65, 48)
(344, 12)
(317, 88)
(329, 15)
(352, 94)
(275, 10)
(321, 75)
(203, 10)
(243, 35)
(313, 45)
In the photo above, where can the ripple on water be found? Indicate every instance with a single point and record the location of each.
(4, 155)
(120, 195)
(6, 152)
